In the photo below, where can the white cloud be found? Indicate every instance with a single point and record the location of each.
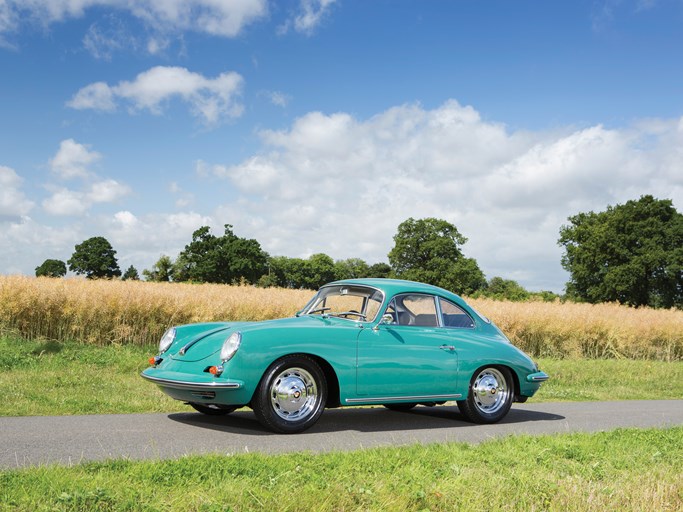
(339, 185)
(106, 191)
(13, 202)
(210, 99)
(73, 160)
(223, 18)
(96, 96)
(27, 243)
(308, 17)
(278, 98)
(65, 202)
(110, 35)
(142, 239)
(183, 198)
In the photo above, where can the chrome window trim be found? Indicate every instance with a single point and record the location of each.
(438, 303)
(309, 304)
(424, 294)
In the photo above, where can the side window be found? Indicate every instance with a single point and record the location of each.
(454, 316)
(416, 310)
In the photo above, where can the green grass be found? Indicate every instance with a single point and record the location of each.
(49, 378)
(626, 469)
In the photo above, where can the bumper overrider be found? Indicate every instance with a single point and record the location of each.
(537, 377)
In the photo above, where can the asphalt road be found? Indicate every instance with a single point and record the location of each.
(40, 440)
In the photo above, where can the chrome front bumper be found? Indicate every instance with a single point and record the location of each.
(179, 384)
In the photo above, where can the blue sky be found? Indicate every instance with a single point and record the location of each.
(320, 125)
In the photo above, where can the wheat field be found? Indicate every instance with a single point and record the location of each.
(119, 312)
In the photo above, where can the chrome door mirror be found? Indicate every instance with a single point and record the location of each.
(387, 319)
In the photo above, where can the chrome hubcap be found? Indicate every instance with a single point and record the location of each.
(490, 391)
(293, 394)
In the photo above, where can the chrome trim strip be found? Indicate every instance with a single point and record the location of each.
(395, 398)
(180, 384)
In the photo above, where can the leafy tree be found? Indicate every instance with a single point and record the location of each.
(95, 258)
(51, 268)
(319, 270)
(504, 289)
(630, 253)
(224, 259)
(131, 274)
(382, 270)
(428, 250)
(351, 268)
(162, 270)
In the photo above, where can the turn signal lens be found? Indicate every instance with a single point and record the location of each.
(152, 360)
(215, 370)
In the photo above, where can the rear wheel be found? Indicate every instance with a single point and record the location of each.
(490, 395)
(213, 409)
(291, 395)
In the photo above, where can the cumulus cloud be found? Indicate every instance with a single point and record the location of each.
(13, 202)
(73, 160)
(309, 15)
(222, 18)
(141, 239)
(210, 99)
(336, 184)
(66, 202)
(27, 243)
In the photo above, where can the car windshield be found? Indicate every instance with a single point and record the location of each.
(358, 303)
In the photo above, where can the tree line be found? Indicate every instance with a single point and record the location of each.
(631, 253)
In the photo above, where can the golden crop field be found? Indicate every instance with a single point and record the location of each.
(117, 312)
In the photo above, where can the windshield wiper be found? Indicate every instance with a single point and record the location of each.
(354, 313)
(319, 310)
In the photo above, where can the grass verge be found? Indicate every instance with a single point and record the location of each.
(627, 469)
(49, 378)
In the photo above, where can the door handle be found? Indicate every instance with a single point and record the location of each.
(447, 347)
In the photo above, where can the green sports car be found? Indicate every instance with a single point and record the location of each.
(356, 342)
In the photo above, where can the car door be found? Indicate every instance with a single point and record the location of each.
(412, 358)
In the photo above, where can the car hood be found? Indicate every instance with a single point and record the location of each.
(195, 342)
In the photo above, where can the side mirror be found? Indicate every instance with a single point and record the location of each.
(387, 319)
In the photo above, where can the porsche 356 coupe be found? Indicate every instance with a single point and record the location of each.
(357, 342)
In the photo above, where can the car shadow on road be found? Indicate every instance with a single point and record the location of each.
(361, 419)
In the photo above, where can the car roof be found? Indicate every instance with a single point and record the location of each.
(394, 286)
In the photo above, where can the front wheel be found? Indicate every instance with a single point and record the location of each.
(490, 395)
(291, 395)
(213, 409)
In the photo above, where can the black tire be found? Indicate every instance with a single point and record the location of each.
(291, 395)
(490, 395)
(399, 407)
(212, 409)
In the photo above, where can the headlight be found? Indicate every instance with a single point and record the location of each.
(166, 340)
(230, 346)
